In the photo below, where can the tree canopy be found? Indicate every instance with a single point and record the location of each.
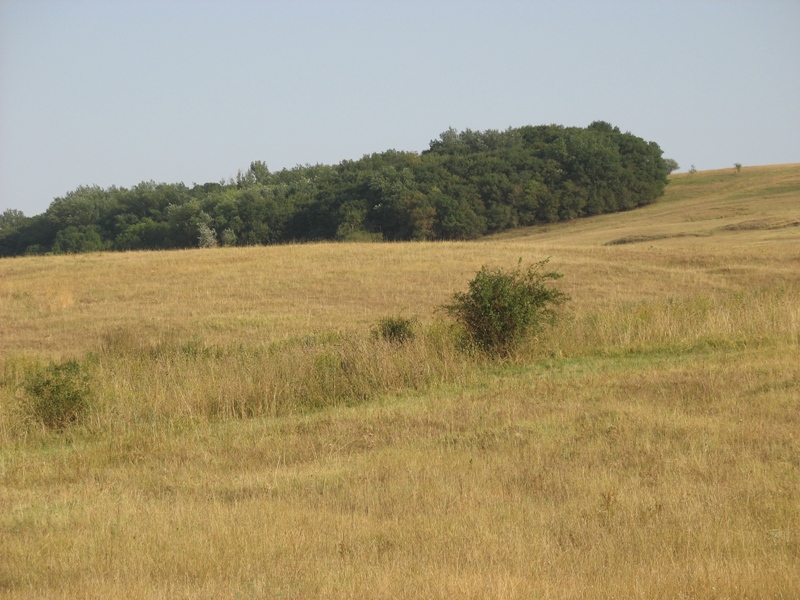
(464, 185)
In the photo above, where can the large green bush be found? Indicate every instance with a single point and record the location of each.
(58, 395)
(503, 308)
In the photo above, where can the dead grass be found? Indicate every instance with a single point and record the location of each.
(666, 477)
(66, 305)
(646, 448)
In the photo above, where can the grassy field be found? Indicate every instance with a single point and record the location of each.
(247, 436)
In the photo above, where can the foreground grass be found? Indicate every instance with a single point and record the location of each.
(248, 438)
(660, 476)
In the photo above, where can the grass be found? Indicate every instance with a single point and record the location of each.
(249, 437)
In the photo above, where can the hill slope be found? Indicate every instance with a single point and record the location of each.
(706, 223)
(247, 438)
(759, 200)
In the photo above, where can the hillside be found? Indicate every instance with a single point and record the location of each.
(246, 436)
(65, 305)
(761, 202)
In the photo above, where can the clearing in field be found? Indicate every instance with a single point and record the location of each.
(245, 435)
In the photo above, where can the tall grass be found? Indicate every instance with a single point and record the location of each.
(246, 436)
(135, 381)
(195, 380)
(727, 320)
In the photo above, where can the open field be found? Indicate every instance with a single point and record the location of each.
(247, 438)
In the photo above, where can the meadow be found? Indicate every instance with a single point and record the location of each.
(248, 436)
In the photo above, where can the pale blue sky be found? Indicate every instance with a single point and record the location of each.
(116, 92)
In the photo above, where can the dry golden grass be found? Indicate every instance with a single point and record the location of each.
(645, 448)
(65, 305)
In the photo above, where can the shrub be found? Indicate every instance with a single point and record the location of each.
(229, 237)
(206, 237)
(502, 308)
(58, 395)
(396, 330)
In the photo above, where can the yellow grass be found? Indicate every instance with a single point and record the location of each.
(249, 439)
(65, 305)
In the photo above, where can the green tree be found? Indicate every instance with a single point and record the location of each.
(228, 237)
(260, 172)
(466, 184)
(671, 164)
(184, 221)
(147, 234)
(11, 219)
(73, 240)
(206, 237)
(11, 222)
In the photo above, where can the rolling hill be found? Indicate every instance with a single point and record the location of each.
(247, 436)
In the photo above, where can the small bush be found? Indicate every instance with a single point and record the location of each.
(396, 330)
(206, 237)
(502, 308)
(58, 395)
(229, 237)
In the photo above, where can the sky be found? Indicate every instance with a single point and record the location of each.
(116, 92)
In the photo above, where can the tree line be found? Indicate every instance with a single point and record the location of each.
(465, 185)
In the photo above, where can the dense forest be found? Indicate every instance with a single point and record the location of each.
(465, 185)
